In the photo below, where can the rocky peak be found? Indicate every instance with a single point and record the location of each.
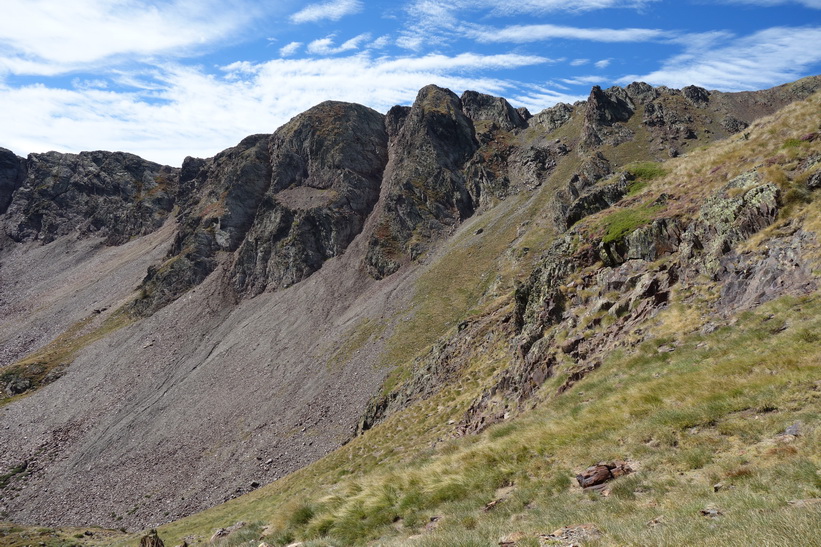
(481, 107)
(424, 188)
(284, 202)
(696, 95)
(604, 109)
(641, 92)
(552, 118)
(327, 166)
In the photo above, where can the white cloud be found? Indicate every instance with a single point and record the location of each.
(334, 11)
(522, 7)
(604, 63)
(381, 42)
(48, 37)
(325, 46)
(537, 33)
(768, 57)
(583, 80)
(289, 49)
(179, 111)
(537, 98)
(579, 62)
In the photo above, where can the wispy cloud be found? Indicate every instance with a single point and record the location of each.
(604, 63)
(333, 11)
(57, 39)
(289, 49)
(529, 7)
(325, 46)
(583, 80)
(538, 33)
(766, 58)
(177, 111)
(815, 4)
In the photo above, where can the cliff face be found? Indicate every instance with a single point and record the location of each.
(180, 335)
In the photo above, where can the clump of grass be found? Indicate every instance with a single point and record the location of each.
(646, 170)
(623, 222)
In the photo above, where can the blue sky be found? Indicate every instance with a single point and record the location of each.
(169, 78)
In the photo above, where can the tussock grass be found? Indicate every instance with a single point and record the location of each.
(711, 411)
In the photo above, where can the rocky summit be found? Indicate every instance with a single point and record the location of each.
(423, 325)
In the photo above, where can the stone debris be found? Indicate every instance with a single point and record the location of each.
(571, 535)
(434, 522)
(596, 475)
(510, 540)
(710, 512)
(657, 521)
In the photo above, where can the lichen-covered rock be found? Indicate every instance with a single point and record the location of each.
(726, 219)
(110, 194)
(596, 199)
(659, 238)
(552, 118)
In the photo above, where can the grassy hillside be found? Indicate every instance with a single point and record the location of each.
(702, 416)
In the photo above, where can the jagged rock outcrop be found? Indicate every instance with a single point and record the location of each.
(603, 112)
(701, 245)
(595, 200)
(110, 194)
(424, 189)
(550, 119)
(327, 166)
(284, 202)
(496, 110)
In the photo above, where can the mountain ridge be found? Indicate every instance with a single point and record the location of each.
(442, 164)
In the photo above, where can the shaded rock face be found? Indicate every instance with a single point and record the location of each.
(327, 166)
(110, 194)
(424, 190)
(222, 195)
(12, 175)
(284, 203)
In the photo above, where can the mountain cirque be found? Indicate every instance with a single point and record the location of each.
(172, 338)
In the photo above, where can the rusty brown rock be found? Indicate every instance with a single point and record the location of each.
(151, 540)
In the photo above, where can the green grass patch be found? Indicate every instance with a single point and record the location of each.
(623, 222)
(646, 170)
